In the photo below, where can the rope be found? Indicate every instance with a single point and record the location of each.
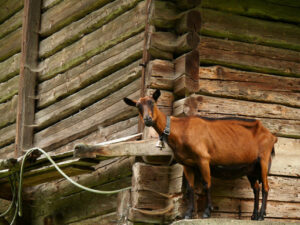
(62, 173)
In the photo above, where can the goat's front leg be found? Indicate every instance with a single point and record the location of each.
(190, 177)
(205, 172)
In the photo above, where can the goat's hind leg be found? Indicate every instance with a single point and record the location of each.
(190, 178)
(265, 188)
(255, 187)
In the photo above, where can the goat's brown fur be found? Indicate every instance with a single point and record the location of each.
(215, 145)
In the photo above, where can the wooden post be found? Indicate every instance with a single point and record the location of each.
(29, 56)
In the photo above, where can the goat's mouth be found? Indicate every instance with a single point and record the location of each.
(148, 123)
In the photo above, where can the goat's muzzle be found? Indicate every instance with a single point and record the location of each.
(148, 121)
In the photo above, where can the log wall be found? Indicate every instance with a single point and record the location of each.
(11, 16)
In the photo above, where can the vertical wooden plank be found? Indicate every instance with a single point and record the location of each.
(29, 57)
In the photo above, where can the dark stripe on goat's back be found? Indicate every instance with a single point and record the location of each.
(228, 118)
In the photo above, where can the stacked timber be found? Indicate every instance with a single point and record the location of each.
(11, 15)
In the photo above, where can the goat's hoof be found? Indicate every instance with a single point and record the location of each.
(261, 217)
(188, 215)
(254, 216)
(206, 213)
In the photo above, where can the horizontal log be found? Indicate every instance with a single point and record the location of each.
(47, 4)
(91, 205)
(186, 4)
(285, 162)
(167, 16)
(10, 67)
(106, 172)
(133, 148)
(86, 73)
(94, 43)
(9, 89)
(65, 13)
(8, 110)
(7, 152)
(7, 135)
(246, 29)
(249, 56)
(177, 45)
(281, 120)
(291, 3)
(11, 24)
(121, 129)
(107, 219)
(275, 209)
(10, 44)
(281, 189)
(8, 8)
(222, 81)
(103, 113)
(87, 24)
(87, 96)
(270, 9)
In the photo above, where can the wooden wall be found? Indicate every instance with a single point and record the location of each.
(249, 67)
(11, 15)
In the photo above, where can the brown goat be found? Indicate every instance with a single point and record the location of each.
(225, 148)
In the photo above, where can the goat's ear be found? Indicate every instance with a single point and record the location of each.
(129, 102)
(156, 94)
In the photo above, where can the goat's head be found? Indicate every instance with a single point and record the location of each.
(147, 107)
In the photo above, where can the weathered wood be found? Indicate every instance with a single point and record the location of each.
(123, 204)
(107, 219)
(9, 8)
(160, 74)
(167, 16)
(60, 79)
(9, 89)
(114, 131)
(270, 9)
(106, 172)
(7, 135)
(7, 151)
(187, 4)
(47, 4)
(190, 21)
(10, 44)
(10, 67)
(103, 113)
(246, 29)
(11, 24)
(276, 209)
(95, 42)
(91, 205)
(249, 56)
(87, 96)
(186, 75)
(222, 81)
(89, 23)
(281, 120)
(130, 148)
(84, 75)
(66, 12)
(28, 62)
(285, 162)
(8, 111)
(169, 42)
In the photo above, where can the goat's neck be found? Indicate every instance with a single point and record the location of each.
(160, 122)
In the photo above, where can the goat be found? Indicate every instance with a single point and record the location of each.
(225, 148)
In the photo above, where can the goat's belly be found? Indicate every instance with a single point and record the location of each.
(234, 171)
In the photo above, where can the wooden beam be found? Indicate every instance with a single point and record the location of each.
(129, 148)
(29, 56)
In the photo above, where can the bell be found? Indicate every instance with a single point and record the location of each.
(160, 144)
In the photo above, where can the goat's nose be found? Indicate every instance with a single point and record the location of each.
(148, 121)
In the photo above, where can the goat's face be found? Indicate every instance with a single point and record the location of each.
(147, 107)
